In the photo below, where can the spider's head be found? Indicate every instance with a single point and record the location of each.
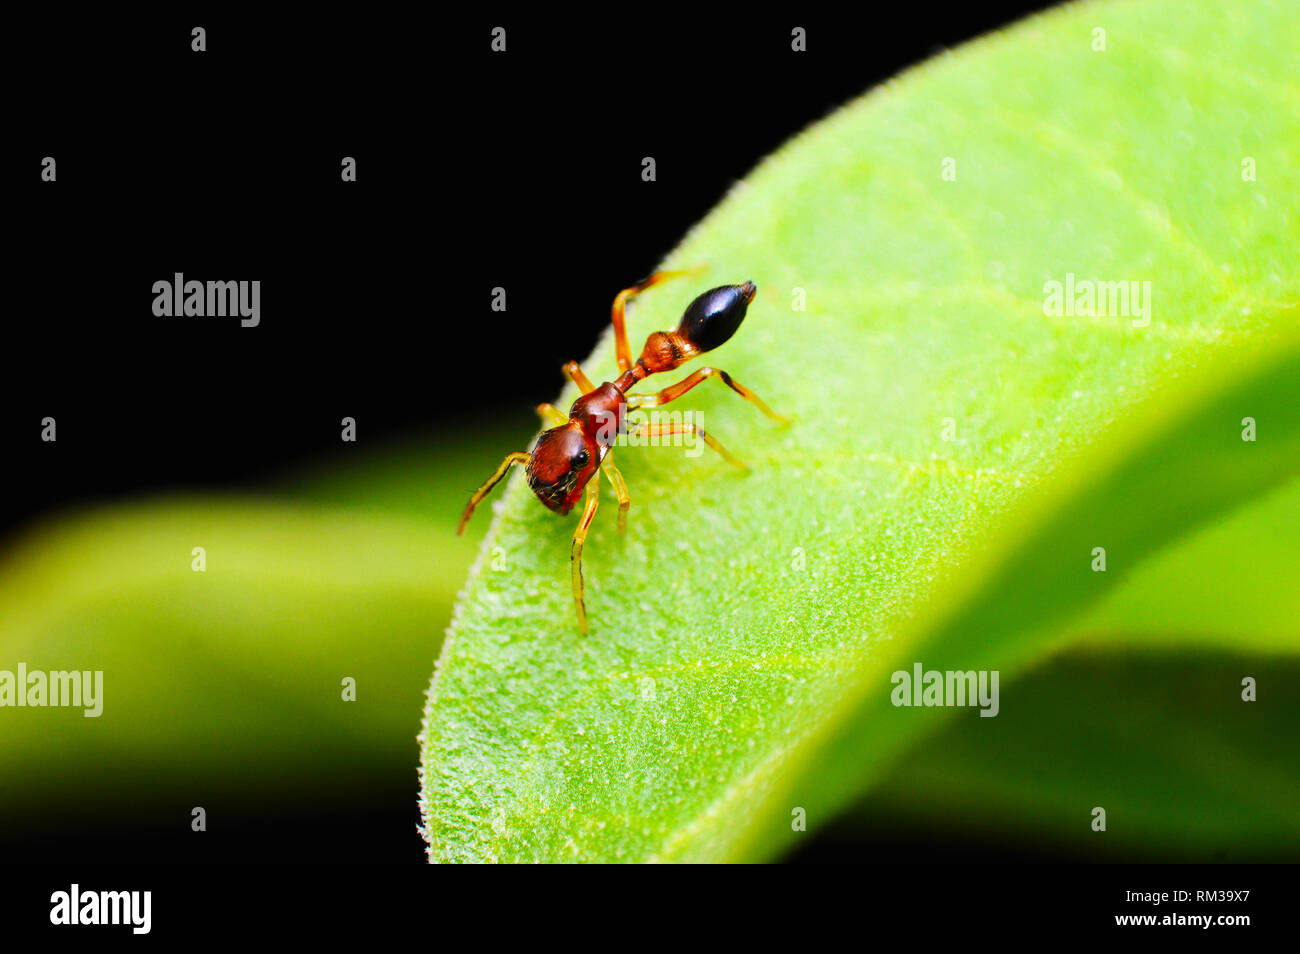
(563, 462)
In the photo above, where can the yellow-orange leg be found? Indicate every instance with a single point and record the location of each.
(619, 312)
(517, 457)
(620, 489)
(575, 553)
(651, 431)
(674, 391)
(552, 414)
(574, 374)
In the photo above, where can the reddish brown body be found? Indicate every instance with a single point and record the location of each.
(566, 457)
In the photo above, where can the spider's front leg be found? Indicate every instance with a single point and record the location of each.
(518, 457)
(575, 552)
(620, 489)
(550, 414)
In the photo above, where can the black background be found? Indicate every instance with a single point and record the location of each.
(475, 169)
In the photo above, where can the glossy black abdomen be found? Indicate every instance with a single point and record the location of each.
(712, 318)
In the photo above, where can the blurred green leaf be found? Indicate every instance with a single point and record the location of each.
(745, 627)
(1143, 715)
(1185, 770)
(230, 680)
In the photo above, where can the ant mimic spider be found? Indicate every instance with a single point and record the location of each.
(565, 457)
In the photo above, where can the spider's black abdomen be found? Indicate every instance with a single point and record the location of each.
(711, 319)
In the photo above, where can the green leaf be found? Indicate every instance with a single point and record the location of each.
(1185, 770)
(213, 678)
(1143, 715)
(745, 627)
(1132, 719)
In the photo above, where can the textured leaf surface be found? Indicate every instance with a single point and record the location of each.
(745, 626)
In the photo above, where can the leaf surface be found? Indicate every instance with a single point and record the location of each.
(958, 452)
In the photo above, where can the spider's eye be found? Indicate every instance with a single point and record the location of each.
(580, 459)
